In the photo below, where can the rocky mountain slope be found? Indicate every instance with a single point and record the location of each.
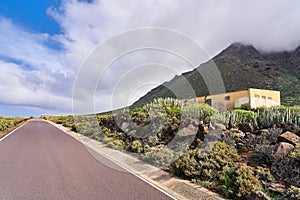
(241, 67)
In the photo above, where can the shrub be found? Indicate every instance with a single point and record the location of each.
(240, 116)
(159, 156)
(137, 146)
(200, 111)
(268, 116)
(205, 164)
(115, 143)
(288, 169)
(264, 155)
(185, 165)
(152, 140)
(84, 128)
(264, 174)
(9, 122)
(239, 181)
(170, 107)
(294, 192)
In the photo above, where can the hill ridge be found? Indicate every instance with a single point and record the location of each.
(241, 67)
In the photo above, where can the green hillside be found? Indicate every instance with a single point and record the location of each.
(241, 67)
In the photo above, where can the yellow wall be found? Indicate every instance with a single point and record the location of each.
(266, 98)
(228, 101)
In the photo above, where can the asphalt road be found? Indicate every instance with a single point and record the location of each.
(39, 161)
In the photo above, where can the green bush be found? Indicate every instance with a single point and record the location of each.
(200, 111)
(137, 146)
(159, 156)
(264, 174)
(239, 181)
(205, 164)
(241, 116)
(115, 143)
(167, 110)
(8, 122)
(294, 193)
(288, 168)
(152, 140)
(84, 128)
(268, 116)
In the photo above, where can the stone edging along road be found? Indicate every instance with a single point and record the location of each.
(173, 186)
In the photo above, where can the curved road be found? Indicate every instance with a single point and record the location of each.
(39, 161)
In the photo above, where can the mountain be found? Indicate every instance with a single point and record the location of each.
(241, 67)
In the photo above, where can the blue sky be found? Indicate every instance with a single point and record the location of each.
(31, 14)
(44, 43)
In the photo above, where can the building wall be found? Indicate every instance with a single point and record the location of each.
(266, 98)
(253, 97)
(229, 100)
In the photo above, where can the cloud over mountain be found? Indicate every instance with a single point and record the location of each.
(49, 71)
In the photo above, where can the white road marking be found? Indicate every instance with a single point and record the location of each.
(8, 134)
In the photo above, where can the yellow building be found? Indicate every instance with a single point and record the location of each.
(253, 97)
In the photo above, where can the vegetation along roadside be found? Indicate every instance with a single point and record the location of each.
(241, 154)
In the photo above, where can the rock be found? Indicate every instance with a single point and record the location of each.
(262, 132)
(240, 134)
(231, 124)
(174, 127)
(289, 127)
(125, 126)
(195, 122)
(211, 127)
(246, 127)
(189, 121)
(277, 187)
(286, 126)
(213, 136)
(289, 137)
(282, 149)
(259, 195)
(203, 128)
(219, 126)
(201, 131)
(189, 130)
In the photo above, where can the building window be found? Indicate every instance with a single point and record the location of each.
(227, 98)
(270, 98)
(256, 96)
(263, 97)
(208, 101)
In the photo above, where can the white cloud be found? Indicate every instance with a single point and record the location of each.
(27, 48)
(32, 74)
(213, 24)
(268, 25)
(29, 88)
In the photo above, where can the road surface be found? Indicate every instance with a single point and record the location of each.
(39, 161)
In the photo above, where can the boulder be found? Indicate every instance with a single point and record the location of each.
(231, 124)
(246, 127)
(262, 132)
(289, 127)
(125, 127)
(200, 136)
(219, 126)
(277, 188)
(203, 128)
(195, 122)
(189, 130)
(259, 195)
(289, 137)
(240, 134)
(282, 149)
